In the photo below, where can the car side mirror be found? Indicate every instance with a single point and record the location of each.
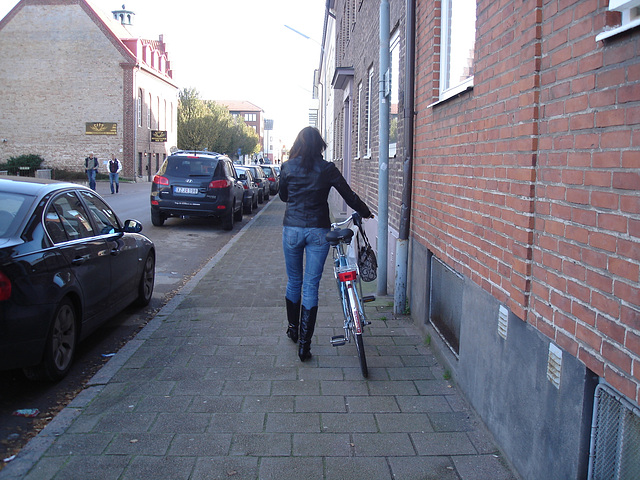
(132, 226)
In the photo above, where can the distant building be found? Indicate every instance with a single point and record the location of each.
(74, 81)
(250, 113)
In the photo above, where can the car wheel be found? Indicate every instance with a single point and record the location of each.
(266, 196)
(260, 197)
(227, 220)
(60, 347)
(147, 281)
(248, 208)
(238, 213)
(157, 219)
(255, 201)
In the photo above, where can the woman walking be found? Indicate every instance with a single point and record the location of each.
(305, 181)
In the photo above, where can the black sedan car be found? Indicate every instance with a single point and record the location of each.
(67, 264)
(197, 184)
(262, 181)
(250, 189)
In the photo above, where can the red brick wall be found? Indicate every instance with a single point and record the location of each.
(530, 184)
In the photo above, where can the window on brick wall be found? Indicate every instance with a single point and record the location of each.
(457, 46)
(394, 48)
(367, 118)
(139, 107)
(358, 121)
(629, 13)
(149, 105)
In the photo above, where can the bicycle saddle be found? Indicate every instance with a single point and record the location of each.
(334, 237)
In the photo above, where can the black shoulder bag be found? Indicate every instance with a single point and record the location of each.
(367, 263)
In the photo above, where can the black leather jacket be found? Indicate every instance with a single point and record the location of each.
(306, 193)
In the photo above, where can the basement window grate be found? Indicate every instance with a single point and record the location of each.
(615, 437)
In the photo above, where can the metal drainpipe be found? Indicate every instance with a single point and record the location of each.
(383, 152)
(402, 247)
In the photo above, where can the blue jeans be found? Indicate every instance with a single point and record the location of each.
(304, 276)
(113, 181)
(91, 176)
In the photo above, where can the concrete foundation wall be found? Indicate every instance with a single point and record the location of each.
(543, 430)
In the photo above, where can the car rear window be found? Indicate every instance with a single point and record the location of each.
(12, 206)
(192, 167)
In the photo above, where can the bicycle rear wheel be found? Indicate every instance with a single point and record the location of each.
(361, 355)
(355, 325)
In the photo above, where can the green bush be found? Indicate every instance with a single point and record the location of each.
(23, 165)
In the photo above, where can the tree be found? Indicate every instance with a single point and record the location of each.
(206, 125)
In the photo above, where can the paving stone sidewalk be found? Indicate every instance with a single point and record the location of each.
(212, 388)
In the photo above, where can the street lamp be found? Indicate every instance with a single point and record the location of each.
(307, 37)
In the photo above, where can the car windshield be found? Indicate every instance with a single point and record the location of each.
(191, 166)
(268, 171)
(12, 208)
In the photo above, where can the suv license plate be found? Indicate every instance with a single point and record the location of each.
(190, 191)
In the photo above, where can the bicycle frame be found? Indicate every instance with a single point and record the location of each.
(347, 274)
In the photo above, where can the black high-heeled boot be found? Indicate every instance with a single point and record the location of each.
(293, 317)
(307, 326)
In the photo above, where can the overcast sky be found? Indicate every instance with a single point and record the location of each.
(237, 50)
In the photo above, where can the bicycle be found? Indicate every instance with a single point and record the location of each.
(346, 272)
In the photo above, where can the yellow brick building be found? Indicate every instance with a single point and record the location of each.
(74, 80)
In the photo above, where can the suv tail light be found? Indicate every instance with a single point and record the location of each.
(5, 287)
(220, 183)
(246, 186)
(160, 180)
(272, 179)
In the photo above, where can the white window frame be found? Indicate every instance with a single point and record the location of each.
(359, 122)
(149, 112)
(448, 87)
(630, 10)
(370, 93)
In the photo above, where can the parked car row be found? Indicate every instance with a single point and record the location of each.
(67, 265)
(273, 175)
(208, 184)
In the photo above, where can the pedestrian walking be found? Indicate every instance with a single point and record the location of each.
(90, 168)
(115, 167)
(305, 181)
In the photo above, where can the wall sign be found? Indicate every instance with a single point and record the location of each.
(158, 135)
(101, 128)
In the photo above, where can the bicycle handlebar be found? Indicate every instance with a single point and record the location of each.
(355, 217)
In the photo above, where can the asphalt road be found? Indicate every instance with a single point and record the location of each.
(183, 247)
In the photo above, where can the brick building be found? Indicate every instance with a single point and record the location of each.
(252, 115)
(524, 263)
(348, 91)
(75, 80)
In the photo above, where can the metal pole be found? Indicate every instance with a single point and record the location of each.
(402, 247)
(383, 151)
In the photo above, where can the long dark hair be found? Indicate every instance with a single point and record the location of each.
(309, 145)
